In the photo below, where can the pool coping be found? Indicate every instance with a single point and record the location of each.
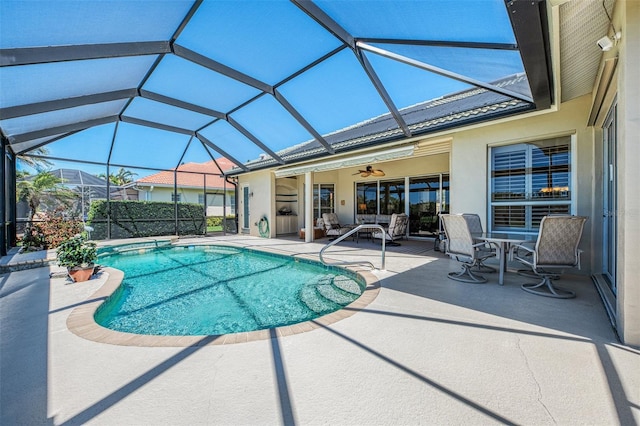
(81, 320)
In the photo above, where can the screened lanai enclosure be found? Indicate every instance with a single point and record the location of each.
(152, 86)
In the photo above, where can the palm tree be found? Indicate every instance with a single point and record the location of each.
(44, 183)
(124, 176)
(121, 178)
(38, 164)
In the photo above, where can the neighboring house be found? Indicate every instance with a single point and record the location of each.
(578, 157)
(87, 186)
(199, 183)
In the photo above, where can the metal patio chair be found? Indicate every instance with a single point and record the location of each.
(475, 227)
(556, 249)
(461, 247)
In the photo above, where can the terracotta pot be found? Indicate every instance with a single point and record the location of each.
(79, 274)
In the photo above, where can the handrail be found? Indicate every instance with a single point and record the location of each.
(351, 232)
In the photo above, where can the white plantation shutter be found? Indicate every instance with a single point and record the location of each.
(509, 175)
(529, 181)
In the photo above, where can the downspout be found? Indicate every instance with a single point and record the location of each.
(235, 195)
(224, 206)
(175, 197)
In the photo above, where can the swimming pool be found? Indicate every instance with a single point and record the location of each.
(213, 290)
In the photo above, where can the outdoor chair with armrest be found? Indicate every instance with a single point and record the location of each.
(332, 226)
(475, 227)
(460, 246)
(397, 230)
(556, 249)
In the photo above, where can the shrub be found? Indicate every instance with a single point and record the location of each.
(52, 229)
(217, 220)
(57, 228)
(77, 251)
(144, 219)
(33, 238)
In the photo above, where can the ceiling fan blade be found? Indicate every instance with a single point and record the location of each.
(377, 173)
(364, 174)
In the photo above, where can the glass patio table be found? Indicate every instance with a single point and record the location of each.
(502, 240)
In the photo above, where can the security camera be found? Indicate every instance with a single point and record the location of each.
(605, 43)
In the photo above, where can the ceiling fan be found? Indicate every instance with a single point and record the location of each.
(369, 171)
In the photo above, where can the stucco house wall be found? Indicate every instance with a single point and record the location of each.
(261, 202)
(470, 156)
(467, 164)
(188, 195)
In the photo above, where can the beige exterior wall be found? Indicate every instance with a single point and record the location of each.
(187, 195)
(467, 164)
(261, 202)
(628, 214)
(470, 153)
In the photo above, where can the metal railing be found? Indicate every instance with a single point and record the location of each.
(350, 233)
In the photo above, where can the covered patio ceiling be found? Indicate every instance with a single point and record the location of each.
(154, 84)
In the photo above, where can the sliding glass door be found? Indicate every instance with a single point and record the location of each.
(392, 196)
(428, 196)
(323, 199)
(422, 198)
(367, 198)
(609, 200)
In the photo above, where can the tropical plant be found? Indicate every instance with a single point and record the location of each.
(36, 163)
(44, 183)
(123, 177)
(33, 238)
(77, 251)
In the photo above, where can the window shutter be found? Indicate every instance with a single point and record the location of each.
(509, 175)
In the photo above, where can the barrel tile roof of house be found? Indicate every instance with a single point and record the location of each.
(194, 178)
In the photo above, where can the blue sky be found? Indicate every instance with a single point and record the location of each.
(266, 40)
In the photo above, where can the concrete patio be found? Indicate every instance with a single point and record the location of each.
(427, 350)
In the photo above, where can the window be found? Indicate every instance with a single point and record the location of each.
(175, 197)
(367, 198)
(214, 199)
(231, 201)
(323, 199)
(200, 198)
(246, 195)
(529, 181)
(392, 197)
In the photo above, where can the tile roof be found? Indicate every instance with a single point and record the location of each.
(194, 178)
(454, 110)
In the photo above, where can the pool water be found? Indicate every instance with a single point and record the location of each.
(211, 290)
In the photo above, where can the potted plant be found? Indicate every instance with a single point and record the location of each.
(78, 256)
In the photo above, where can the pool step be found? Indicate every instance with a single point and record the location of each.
(347, 285)
(312, 299)
(329, 293)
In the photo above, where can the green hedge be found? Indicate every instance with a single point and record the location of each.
(131, 219)
(217, 220)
